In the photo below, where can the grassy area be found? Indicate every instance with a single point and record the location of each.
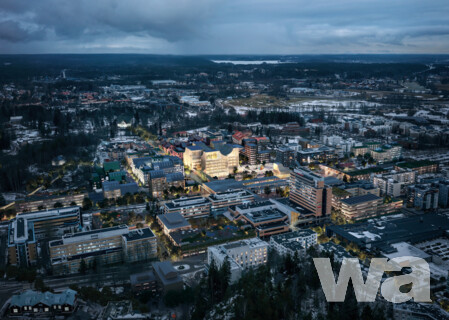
(364, 171)
(416, 164)
(340, 192)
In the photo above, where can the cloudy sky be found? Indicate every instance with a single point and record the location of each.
(224, 26)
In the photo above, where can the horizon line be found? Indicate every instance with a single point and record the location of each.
(222, 54)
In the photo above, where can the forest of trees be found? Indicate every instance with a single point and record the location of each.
(285, 288)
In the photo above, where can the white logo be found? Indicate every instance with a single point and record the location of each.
(419, 278)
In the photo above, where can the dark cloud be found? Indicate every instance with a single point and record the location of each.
(12, 31)
(231, 26)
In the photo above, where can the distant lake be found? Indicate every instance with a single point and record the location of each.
(248, 61)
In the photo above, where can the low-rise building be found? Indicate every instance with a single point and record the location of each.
(361, 207)
(294, 242)
(143, 281)
(172, 221)
(143, 167)
(43, 304)
(263, 216)
(42, 202)
(105, 246)
(420, 167)
(167, 277)
(241, 255)
(115, 189)
(221, 201)
(189, 207)
(257, 185)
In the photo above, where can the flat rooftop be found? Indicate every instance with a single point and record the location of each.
(186, 202)
(93, 234)
(360, 199)
(265, 215)
(173, 220)
(380, 233)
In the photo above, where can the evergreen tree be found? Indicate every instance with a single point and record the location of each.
(83, 267)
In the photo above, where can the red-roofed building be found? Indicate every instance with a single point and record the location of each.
(238, 137)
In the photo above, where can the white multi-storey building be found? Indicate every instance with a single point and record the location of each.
(295, 241)
(393, 184)
(241, 254)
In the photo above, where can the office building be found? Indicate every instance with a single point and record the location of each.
(105, 246)
(379, 235)
(263, 216)
(115, 189)
(215, 162)
(241, 255)
(361, 207)
(172, 221)
(43, 202)
(28, 228)
(144, 166)
(189, 207)
(167, 277)
(221, 201)
(257, 185)
(307, 189)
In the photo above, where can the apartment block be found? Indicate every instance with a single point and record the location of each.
(241, 254)
(424, 197)
(307, 189)
(286, 156)
(28, 228)
(106, 246)
(394, 184)
(294, 242)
